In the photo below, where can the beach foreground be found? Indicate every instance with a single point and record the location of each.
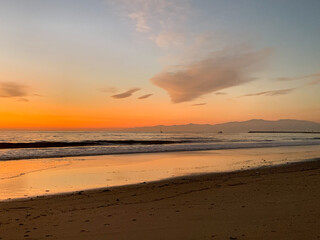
(280, 202)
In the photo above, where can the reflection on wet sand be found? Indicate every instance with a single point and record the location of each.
(47, 176)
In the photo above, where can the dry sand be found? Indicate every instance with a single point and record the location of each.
(271, 203)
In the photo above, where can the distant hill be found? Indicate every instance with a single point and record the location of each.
(236, 127)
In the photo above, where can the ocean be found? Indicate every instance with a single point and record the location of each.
(16, 145)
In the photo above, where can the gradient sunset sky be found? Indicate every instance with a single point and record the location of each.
(124, 63)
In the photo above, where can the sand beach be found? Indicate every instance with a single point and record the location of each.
(278, 202)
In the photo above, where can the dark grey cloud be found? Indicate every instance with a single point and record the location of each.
(145, 96)
(125, 94)
(198, 104)
(271, 93)
(13, 90)
(220, 70)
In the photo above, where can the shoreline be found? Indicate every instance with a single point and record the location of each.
(192, 175)
(30, 178)
(273, 202)
(261, 146)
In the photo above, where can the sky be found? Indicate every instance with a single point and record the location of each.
(99, 64)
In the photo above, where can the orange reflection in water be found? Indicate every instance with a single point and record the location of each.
(46, 176)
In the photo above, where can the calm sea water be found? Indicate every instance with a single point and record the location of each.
(16, 145)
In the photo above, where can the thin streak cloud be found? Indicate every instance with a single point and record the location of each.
(198, 104)
(145, 96)
(125, 94)
(220, 93)
(314, 75)
(314, 82)
(271, 93)
(23, 100)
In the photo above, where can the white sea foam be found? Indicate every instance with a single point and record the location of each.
(33, 153)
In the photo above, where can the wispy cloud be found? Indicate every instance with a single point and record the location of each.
(13, 90)
(220, 70)
(140, 19)
(198, 104)
(145, 96)
(165, 39)
(314, 82)
(220, 93)
(314, 75)
(160, 20)
(125, 94)
(23, 100)
(271, 93)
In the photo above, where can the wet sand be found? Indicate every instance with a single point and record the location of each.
(269, 203)
(28, 178)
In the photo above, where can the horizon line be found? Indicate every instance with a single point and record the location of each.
(132, 127)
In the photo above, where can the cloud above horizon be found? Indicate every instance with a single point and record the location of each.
(159, 20)
(198, 104)
(271, 93)
(125, 94)
(23, 100)
(220, 93)
(145, 96)
(220, 70)
(314, 75)
(13, 90)
(314, 82)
